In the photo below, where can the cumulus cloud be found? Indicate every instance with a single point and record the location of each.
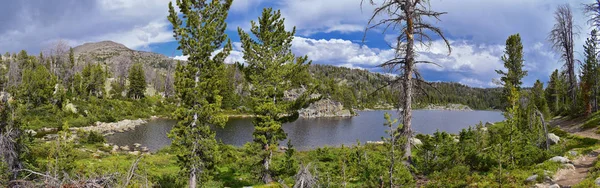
(31, 25)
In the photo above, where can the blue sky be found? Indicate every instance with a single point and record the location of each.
(328, 31)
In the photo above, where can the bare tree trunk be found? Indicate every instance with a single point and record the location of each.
(408, 85)
(266, 161)
(545, 128)
(192, 181)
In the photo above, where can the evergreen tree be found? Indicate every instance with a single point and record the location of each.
(552, 92)
(198, 82)
(589, 74)
(93, 77)
(539, 98)
(513, 62)
(271, 68)
(37, 86)
(137, 81)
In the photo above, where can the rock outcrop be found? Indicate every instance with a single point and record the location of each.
(325, 108)
(109, 128)
(451, 107)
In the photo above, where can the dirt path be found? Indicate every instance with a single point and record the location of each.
(572, 176)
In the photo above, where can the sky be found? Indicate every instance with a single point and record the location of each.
(328, 32)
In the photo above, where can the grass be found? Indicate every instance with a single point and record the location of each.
(593, 121)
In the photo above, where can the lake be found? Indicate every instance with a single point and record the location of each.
(316, 132)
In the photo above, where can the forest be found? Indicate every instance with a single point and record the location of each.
(47, 97)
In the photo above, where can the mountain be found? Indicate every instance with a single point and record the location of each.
(354, 88)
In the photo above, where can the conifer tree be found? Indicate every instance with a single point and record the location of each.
(562, 41)
(552, 92)
(539, 98)
(271, 68)
(137, 81)
(513, 62)
(198, 82)
(589, 74)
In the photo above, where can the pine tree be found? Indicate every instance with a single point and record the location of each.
(197, 83)
(137, 81)
(552, 92)
(37, 86)
(589, 74)
(271, 68)
(539, 98)
(513, 62)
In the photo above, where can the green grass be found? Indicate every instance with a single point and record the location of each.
(592, 122)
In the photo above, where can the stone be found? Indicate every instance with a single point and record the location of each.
(416, 141)
(125, 148)
(31, 132)
(106, 145)
(568, 166)
(597, 181)
(96, 155)
(144, 149)
(134, 153)
(283, 148)
(554, 186)
(325, 108)
(115, 149)
(573, 153)
(553, 139)
(559, 159)
(46, 129)
(532, 178)
(137, 145)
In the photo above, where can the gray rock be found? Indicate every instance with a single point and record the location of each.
(125, 148)
(416, 141)
(559, 159)
(134, 153)
(573, 153)
(532, 178)
(554, 186)
(31, 132)
(144, 149)
(568, 166)
(115, 149)
(553, 139)
(137, 145)
(325, 108)
(597, 181)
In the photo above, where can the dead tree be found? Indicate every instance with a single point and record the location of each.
(407, 18)
(304, 179)
(561, 38)
(10, 147)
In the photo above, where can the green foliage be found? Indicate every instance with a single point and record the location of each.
(90, 82)
(37, 86)
(137, 81)
(272, 69)
(589, 74)
(198, 83)
(90, 137)
(513, 62)
(539, 98)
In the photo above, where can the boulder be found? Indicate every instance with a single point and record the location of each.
(31, 132)
(325, 108)
(115, 149)
(568, 166)
(597, 181)
(137, 145)
(553, 139)
(134, 153)
(554, 186)
(125, 148)
(283, 148)
(144, 149)
(573, 153)
(560, 159)
(532, 178)
(416, 141)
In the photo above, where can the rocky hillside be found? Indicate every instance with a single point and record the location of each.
(113, 53)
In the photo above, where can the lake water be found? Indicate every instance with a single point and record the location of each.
(316, 132)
